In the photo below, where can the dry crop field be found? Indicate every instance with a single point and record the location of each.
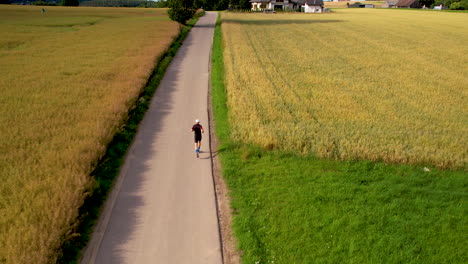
(68, 77)
(353, 84)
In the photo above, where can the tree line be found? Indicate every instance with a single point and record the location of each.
(450, 4)
(118, 3)
(209, 5)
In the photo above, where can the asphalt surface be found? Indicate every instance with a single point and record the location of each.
(162, 208)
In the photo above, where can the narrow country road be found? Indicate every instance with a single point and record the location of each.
(162, 208)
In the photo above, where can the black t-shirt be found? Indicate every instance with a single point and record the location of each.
(197, 128)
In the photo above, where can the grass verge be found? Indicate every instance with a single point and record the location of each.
(301, 209)
(108, 168)
(218, 91)
(292, 209)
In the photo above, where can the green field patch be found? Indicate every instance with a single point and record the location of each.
(65, 23)
(85, 24)
(11, 45)
(295, 209)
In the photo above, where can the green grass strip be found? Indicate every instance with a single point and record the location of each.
(289, 208)
(108, 168)
(218, 93)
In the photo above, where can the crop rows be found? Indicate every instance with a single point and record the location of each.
(69, 76)
(367, 84)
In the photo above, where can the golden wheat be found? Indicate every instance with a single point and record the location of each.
(68, 77)
(385, 85)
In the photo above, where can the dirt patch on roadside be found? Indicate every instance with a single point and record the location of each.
(230, 253)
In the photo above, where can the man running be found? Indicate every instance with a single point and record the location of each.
(198, 130)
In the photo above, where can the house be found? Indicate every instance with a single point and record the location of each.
(440, 7)
(390, 4)
(408, 4)
(309, 6)
(261, 5)
(313, 6)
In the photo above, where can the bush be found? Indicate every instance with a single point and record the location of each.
(44, 3)
(452, 4)
(180, 14)
(70, 2)
(456, 6)
(462, 5)
(158, 4)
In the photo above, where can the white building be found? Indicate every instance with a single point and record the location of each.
(313, 6)
(309, 6)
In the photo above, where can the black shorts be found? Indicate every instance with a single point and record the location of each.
(197, 138)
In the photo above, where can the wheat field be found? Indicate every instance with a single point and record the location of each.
(387, 85)
(68, 78)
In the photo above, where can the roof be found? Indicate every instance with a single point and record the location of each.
(314, 2)
(391, 2)
(260, 1)
(407, 2)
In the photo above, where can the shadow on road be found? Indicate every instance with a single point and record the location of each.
(129, 200)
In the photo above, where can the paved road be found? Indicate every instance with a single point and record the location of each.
(162, 208)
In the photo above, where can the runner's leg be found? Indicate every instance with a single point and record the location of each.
(197, 148)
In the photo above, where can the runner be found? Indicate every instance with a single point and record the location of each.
(198, 130)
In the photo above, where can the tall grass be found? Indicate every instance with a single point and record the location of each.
(69, 76)
(355, 84)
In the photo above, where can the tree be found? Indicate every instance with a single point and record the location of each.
(181, 10)
(245, 4)
(240, 4)
(180, 3)
(453, 4)
(158, 4)
(459, 5)
(70, 2)
(426, 3)
(221, 5)
(234, 4)
(44, 3)
(205, 4)
(211, 4)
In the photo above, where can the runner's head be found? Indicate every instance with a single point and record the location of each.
(197, 121)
